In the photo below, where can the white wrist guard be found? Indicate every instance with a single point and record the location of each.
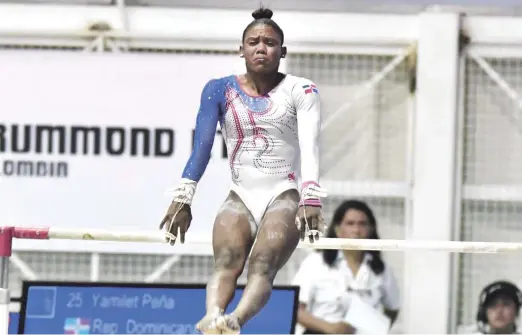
(311, 193)
(184, 192)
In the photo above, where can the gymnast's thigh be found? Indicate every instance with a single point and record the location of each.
(278, 235)
(232, 236)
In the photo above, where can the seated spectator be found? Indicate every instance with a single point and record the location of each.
(499, 305)
(327, 278)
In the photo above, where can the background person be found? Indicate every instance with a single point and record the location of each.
(498, 310)
(327, 278)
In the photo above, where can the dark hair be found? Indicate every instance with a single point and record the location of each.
(329, 256)
(264, 15)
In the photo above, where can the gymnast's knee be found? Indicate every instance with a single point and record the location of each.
(229, 261)
(263, 265)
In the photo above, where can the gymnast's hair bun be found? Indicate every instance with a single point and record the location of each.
(262, 13)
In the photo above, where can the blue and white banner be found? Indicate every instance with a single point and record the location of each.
(105, 308)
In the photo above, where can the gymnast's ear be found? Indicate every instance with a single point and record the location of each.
(283, 52)
(241, 52)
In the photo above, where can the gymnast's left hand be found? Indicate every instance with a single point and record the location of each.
(310, 222)
(176, 222)
(309, 218)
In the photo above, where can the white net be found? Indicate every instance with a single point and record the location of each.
(367, 140)
(493, 158)
(493, 124)
(376, 126)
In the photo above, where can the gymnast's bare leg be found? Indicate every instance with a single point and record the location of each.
(276, 240)
(232, 240)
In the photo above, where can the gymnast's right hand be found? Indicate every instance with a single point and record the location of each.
(176, 222)
(178, 217)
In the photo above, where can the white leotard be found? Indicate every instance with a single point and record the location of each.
(272, 140)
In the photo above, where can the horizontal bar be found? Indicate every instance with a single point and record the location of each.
(323, 243)
(501, 193)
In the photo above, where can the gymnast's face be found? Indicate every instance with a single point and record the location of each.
(501, 313)
(262, 49)
(354, 225)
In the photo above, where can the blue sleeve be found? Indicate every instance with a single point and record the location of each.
(206, 124)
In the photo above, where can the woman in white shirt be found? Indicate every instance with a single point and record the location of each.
(327, 278)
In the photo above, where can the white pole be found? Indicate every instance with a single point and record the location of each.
(95, 266)
(4, 311)
(323, 243)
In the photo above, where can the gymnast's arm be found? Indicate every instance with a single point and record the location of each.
(308, 109)
(205, 132)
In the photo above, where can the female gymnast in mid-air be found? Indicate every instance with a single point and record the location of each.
(270, 122)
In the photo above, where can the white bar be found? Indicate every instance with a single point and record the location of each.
(494, 51)
(493, 29)
(409, 164)
(323, 243)
(501, 193)
(456, 264)
(194, 23)
(190, 27)
(141, 41)
(367, 189)
(434, 172)
(114, 235)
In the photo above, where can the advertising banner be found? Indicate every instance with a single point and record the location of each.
(108, 308)
(95, 140)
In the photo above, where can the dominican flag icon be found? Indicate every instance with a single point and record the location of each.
(310, 89)
(75, 326)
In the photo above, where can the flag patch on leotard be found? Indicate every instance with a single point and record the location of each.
(310, 89)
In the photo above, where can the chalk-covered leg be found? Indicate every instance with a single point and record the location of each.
(232, 240)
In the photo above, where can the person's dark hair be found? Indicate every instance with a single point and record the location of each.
(329, 256)
(264, 15)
